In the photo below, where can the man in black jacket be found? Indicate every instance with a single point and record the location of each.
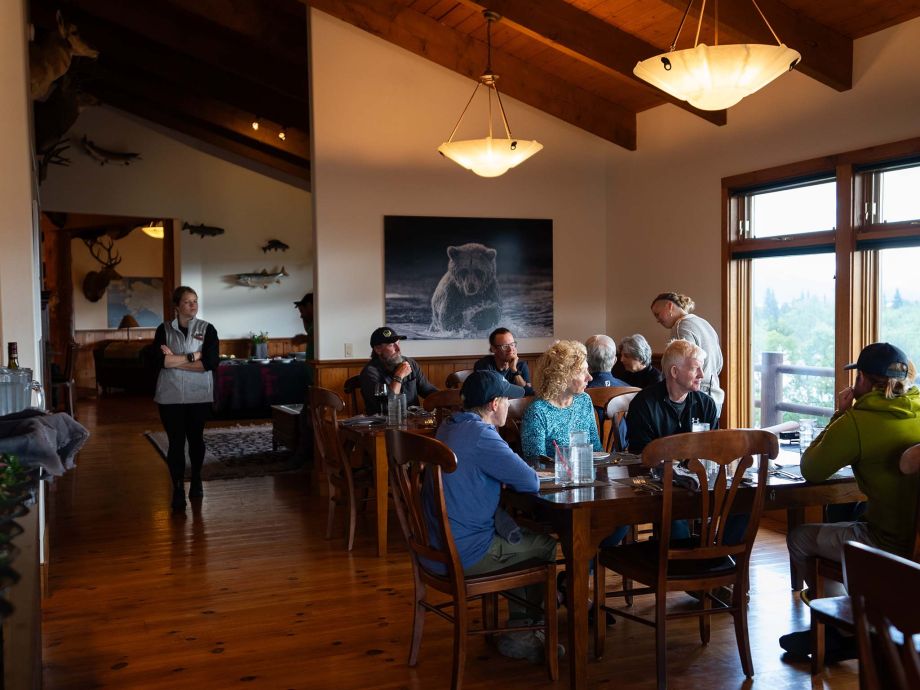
(388, 365)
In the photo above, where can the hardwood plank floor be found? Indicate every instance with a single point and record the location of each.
(246, 592)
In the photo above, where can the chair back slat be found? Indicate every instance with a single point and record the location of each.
(325, 406)
(416, 464)
(455, 379)
(351, 387)
(882, 588)
(616, 409)
(511, 431)
(714, 507)
(910, 464)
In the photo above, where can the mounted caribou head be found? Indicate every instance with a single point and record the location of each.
(96, 282)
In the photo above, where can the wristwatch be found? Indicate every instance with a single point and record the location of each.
(190, 357)
(397, 379)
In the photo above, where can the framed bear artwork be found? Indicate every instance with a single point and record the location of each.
(460, 278)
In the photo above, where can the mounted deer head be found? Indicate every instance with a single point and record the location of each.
(51, 58)
(96, 282)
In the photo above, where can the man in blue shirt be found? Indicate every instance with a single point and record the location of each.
(504, 360)
(471, 493)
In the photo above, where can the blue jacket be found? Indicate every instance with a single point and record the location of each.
(471, 492)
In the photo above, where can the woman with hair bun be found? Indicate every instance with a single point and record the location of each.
(674, 311)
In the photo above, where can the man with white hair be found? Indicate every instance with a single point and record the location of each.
(671, 406)
(602, 355)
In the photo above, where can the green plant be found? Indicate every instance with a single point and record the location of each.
(259, 338)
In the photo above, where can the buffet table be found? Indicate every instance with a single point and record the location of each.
(246, 389)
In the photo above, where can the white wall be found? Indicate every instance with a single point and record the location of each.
(19, 287)
(142, 257)
(665, 215)
(174, 180)
(379, 114)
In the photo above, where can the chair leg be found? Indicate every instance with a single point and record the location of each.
(460, 628)
(70, 407)
(705, 623)
(817, 628)
(352, 518)
(739, 601)
(418, 623)
(490, 611)
(600, 599)
(661, 648)
(331, 512)
(552, 625)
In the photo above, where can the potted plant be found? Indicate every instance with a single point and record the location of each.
(259, 344)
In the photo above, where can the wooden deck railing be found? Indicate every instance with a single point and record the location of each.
(771, 401)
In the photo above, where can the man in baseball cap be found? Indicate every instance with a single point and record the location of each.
(389, 367)
(471, 493)
(876, 419)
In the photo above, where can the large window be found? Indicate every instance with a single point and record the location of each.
(821, 261)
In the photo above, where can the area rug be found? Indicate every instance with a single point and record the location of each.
(233, 452)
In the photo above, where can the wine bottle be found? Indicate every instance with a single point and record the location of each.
(12, 355)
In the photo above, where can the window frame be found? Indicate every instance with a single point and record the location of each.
(855, 242)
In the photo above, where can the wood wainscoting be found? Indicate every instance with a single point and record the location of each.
(332, 373)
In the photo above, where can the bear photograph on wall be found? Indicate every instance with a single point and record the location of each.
(461, 278)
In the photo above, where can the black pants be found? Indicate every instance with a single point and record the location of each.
(185, 423)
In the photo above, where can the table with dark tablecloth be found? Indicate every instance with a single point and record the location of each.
(249, 389)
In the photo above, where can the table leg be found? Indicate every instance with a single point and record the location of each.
(578, 552)
(381, 484)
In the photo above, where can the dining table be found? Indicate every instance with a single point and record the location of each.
(368, 439)
(582, 516)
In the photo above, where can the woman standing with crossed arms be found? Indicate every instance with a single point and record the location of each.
(188, 353)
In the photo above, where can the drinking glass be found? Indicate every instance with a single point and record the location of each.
(380, 395)
(699, 426)
(806, 432)
(563, 475)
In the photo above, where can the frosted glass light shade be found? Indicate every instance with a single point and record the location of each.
(717, 77)
(489, 157)
(154, 231)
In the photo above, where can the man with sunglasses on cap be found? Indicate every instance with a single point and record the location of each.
(877, 418)
(487, 541)
(388, 365)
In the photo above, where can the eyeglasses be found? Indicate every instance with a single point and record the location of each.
(506, 347)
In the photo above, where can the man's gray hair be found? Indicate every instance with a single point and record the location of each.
(637, 347)
(602, 353)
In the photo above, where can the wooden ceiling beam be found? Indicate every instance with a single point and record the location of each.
(827, 56)
(198, 38)
(586, 38)
(160, 109)
(123, 50)
(395, 22)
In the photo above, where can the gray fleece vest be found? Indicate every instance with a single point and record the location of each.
(177, 386)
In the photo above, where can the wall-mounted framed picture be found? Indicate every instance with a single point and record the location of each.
(140, 297)
(460, 278)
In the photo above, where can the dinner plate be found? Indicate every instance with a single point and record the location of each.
(260, 361)
(600, 456)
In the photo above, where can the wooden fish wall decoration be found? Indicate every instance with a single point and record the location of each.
(203, 230)
(103, 156)
(275, 246)
(262, 279)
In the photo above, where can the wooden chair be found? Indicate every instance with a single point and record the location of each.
(64, 385)
(415, 460)
(882, 591)
(456, 379)
(352, 387)
(511, 431)
(822, 569)
(702, 563)
(443, 403)
(615, 411)
(343, 480)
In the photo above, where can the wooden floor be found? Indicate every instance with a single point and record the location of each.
(245, 592)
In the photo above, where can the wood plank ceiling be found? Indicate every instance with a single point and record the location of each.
(208, 68)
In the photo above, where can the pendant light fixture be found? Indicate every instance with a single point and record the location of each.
(488, 157)
(716, 77)
(153, 229)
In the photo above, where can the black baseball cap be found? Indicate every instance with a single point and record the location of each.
(882, 359)
(482, 387)
(385, 334)
(306, 298)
